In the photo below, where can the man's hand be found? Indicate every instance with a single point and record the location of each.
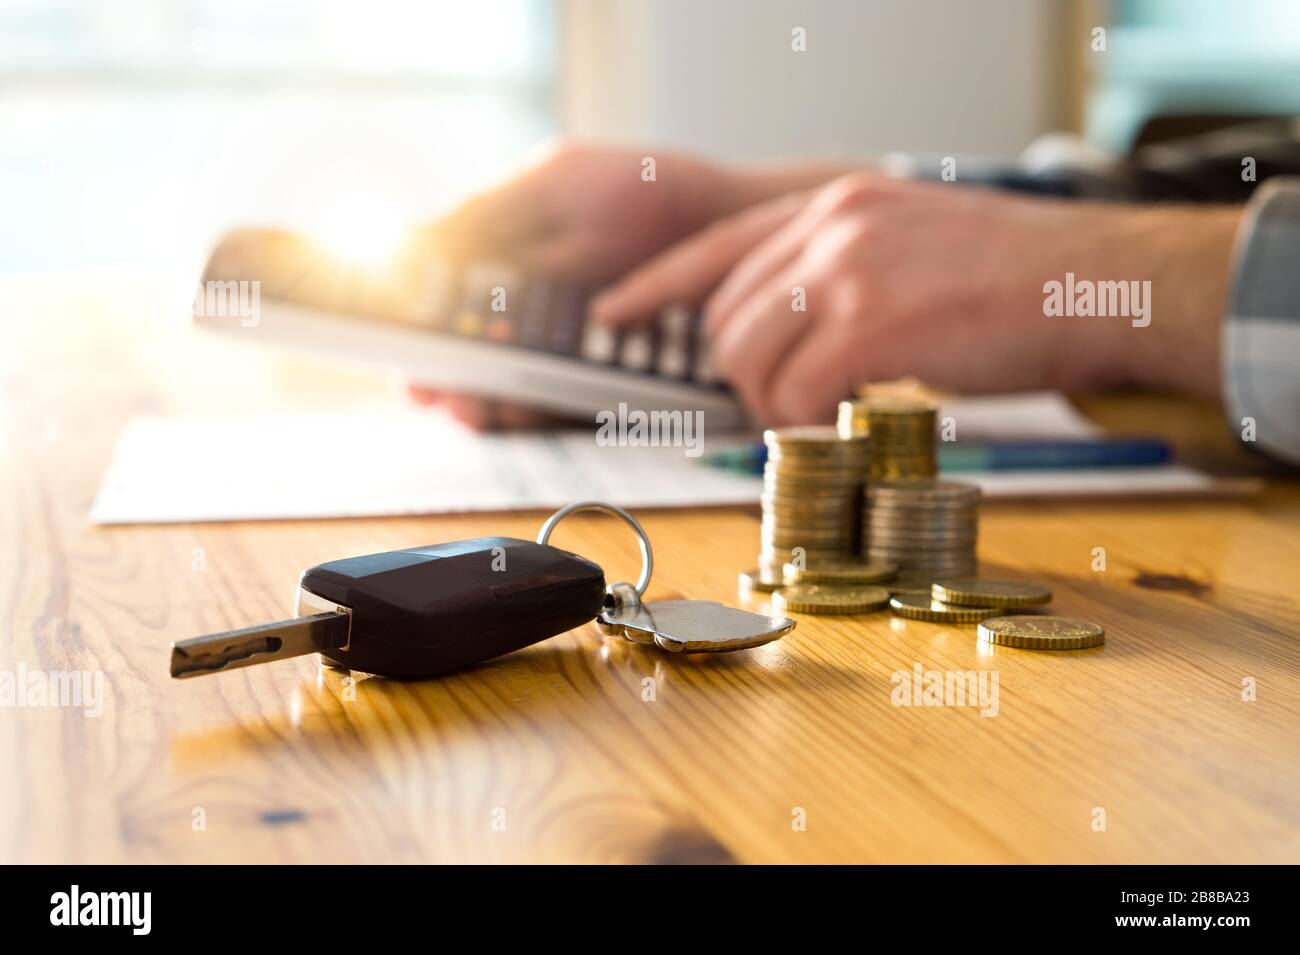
(587, 212)
(577, 211)
(943, 282)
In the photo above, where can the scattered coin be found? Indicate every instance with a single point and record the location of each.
(896, 590)
(1041, 633)
(819, 598)
(755, 581)
(923, 607)
(985, 592)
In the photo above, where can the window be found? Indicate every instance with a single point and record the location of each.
(135, 131)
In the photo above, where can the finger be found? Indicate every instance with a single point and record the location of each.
(519, 417)
(750, 348)
(755, 270)
(486, 414)
(690, 269)
(424, 396)
(811, 379)
(472, 412)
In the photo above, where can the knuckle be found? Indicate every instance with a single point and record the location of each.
(846, 241)
(846, 192)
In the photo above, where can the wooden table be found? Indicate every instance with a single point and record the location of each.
(582, 749)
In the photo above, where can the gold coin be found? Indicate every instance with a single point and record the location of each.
(886, 405)
(822, 510)
(756, 581)
(843, 450)
(804, 538)
(911, 582)
(821, 598)
(898, 492)
(918, 607)
(853, 419)
(840, 572)
(896, 590)
(783, 473)
(984, 592)
(778, 557)
(920, 517)
(1042, 633)
(895, 474)
(810, 434)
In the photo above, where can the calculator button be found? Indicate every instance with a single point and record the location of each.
(565, 327)
(674, 348)
(638, 350)
(469, 323)
(437, 302)
(533, 317)
(491, 283)
(703, 371)
(501, 328)
(598, 343)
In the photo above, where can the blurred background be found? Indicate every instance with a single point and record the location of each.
(132, 132)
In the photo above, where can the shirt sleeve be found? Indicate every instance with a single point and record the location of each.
(1261, 332)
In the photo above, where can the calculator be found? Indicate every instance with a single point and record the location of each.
(474, 327)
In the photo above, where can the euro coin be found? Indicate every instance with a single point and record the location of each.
(780, 556)
(839, 572)
(1041, 633)
(756, 581)
(815, 435)
(889, 405)
(854, 419)
(923, 491)
(922, 607)
(984, 592)
(820, 598)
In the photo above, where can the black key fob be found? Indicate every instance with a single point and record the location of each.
(429, 610)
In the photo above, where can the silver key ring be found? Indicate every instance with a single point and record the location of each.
(647, 558)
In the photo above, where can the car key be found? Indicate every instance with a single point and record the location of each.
(417, 613)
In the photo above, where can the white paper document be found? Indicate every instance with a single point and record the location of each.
(409, 462)
(305, 466)
(1026, 416)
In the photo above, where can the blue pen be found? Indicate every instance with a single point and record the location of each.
(1054, 455)
(999, 455)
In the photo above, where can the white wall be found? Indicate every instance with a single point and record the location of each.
(719, 76)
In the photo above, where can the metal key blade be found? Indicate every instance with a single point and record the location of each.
(217, 652)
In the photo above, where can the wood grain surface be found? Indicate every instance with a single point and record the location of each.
(587, 749)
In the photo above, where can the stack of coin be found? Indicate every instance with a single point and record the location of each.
(927, 528)
(902, 435)
(811, 487)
